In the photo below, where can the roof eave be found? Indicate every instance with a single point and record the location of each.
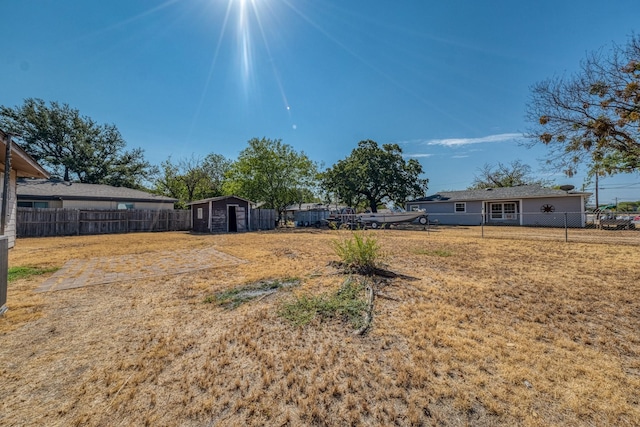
(214, 199)
(24, 165)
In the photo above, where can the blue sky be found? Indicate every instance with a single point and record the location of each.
(447, 80)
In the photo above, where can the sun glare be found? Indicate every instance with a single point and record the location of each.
(252, 17)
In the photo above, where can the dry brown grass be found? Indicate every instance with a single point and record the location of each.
(500, 332)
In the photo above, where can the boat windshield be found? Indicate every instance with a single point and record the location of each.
(396, 209)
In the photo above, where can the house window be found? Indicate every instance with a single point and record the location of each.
(124, 206)
(506, 211)
(200, 213)
(509, 210)
(33, 204)
(461, 207)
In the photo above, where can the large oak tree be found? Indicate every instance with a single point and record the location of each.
(374, 175)
(73, 146)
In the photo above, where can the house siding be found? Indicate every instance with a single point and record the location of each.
(444, 212)
(529, 211)
(572, 206)
(10, 226)
(200, 225)
(110, 204)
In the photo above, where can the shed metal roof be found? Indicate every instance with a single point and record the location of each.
(215, 199)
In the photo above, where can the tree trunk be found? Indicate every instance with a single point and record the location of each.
(373, 206)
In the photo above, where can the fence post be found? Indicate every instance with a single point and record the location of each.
(566, 229)
(482, 223)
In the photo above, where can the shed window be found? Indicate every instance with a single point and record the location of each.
(200, 213)
(461, 207)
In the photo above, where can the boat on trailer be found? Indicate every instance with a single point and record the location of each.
(380, 219)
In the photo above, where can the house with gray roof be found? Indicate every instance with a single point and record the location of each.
(526, 205)
(53, 193)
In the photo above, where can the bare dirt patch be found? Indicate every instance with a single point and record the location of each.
(475, 332)
(77, 273)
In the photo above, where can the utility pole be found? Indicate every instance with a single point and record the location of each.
(597, 202)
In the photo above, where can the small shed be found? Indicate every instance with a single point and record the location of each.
(224, 214)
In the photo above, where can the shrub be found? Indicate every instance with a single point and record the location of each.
(359, 254)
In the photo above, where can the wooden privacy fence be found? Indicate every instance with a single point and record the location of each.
(41, 222)
(262, 219)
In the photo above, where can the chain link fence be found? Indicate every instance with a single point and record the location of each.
(609, 227)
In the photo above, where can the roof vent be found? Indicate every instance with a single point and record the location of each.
(567, 187)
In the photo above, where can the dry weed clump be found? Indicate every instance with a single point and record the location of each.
(495, 332)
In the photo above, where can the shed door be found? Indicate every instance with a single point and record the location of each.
(232, 225)
(241, 223)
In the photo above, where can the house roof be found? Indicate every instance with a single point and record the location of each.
(501, 193)
(53, 189)
(215, 199)
(21, 162)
